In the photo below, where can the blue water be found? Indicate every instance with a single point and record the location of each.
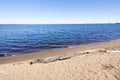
(32, 38)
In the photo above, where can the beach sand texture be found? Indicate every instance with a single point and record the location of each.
(95, 65)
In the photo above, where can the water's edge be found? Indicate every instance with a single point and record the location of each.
(7, 56)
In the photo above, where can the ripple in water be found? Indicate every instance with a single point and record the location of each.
(31, 38)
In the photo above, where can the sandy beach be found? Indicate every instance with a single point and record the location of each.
(99, 61)
(59, 40)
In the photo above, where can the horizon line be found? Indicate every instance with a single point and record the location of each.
(53, 23)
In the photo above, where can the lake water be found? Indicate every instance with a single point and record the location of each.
(32, 38)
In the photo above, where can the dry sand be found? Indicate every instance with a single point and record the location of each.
(95, 65)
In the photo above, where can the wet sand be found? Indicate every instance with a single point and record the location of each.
(72, 49)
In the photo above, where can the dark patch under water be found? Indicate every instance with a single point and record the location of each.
(32, 38)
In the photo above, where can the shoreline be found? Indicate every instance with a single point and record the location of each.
(86, 62)
(55, 52)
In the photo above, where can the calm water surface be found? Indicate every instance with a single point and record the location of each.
(31, 38)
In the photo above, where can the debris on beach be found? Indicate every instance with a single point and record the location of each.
(69, 55)
(56, 58)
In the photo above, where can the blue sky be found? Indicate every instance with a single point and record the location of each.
(59, 11)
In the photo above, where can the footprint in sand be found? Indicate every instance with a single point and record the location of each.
(3, 72)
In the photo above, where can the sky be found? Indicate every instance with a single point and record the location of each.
(59, 11)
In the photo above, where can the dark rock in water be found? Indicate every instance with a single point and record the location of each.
(2, 55)
(5, 55)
